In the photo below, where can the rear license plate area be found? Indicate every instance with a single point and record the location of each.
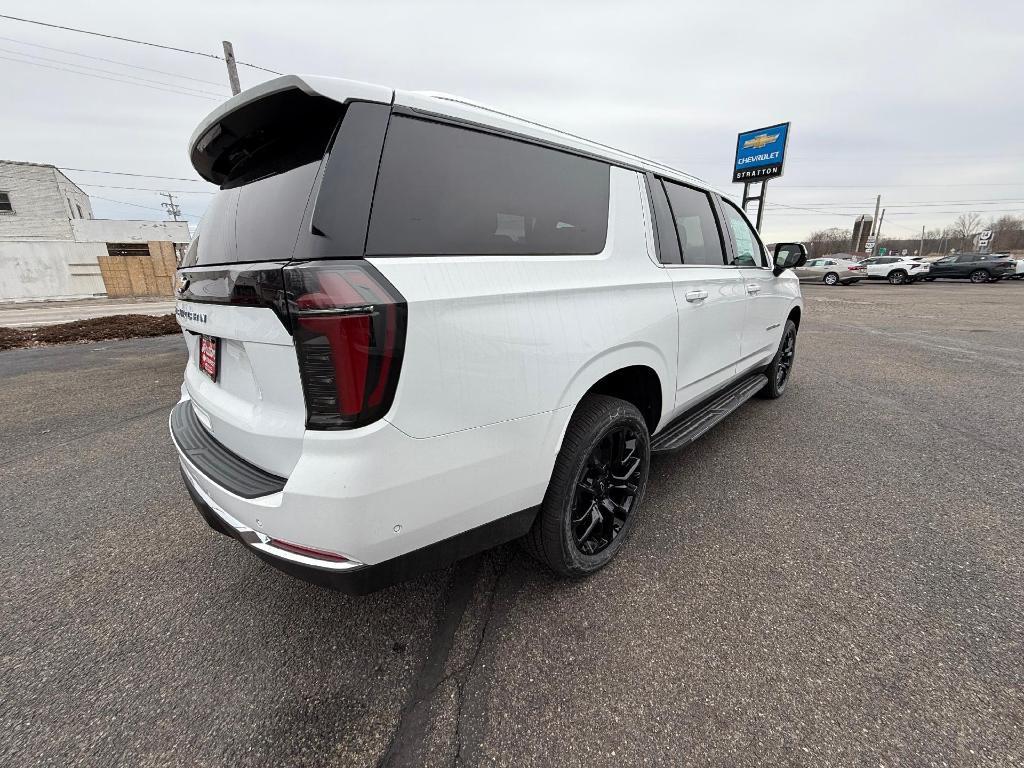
(209, 352)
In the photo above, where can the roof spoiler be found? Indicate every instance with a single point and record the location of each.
(222, 137)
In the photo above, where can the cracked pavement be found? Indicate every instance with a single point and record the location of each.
(833, 578)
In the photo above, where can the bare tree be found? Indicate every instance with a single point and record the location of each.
(828, 241)
(965, 227)
(1007, 232)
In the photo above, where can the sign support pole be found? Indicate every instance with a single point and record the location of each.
(760, 198)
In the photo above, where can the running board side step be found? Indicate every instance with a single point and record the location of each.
(687, 428)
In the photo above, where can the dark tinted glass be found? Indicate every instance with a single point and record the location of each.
(668, 242)
(447, 190)
(255, 222)
(699, 240)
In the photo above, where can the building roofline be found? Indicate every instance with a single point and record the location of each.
(69, 181)
(46, 165)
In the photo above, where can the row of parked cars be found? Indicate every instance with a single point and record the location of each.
(903, 270)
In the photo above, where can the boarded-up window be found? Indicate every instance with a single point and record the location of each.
(128, 249)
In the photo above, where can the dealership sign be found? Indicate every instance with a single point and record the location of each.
(983, 241)
(760, 154)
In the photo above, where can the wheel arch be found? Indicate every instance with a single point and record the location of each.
(794, 315)
(637, 373)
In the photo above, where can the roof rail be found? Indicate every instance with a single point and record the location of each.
(477, 105)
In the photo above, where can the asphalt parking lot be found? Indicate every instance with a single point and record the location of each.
(833, 578)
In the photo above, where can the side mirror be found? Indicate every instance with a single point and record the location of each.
(788, 256)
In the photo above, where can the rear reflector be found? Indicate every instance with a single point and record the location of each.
(349, 327)
(317, 554)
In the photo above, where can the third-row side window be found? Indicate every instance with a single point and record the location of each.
(455, 191)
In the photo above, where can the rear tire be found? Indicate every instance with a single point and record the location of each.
(595, 490)
(980, 276)
(780, 369)
(831, 278)
(897, 277)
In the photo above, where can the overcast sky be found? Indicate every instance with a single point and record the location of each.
(918, 101)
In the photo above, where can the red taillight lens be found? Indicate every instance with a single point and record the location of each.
(349, 326)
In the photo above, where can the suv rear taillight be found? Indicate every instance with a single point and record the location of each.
(349, 328)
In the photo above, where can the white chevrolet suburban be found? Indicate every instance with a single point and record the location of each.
(419, 327)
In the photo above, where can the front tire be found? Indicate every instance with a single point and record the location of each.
(831, 278)
(781, 367)
(596, 488)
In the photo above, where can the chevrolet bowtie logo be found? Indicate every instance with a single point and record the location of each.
(759, 141)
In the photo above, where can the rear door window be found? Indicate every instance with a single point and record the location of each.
(699, 238)
(445, 190)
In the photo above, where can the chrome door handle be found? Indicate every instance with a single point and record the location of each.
(696, 295)
(753, 288)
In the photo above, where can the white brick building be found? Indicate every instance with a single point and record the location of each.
(50, 244)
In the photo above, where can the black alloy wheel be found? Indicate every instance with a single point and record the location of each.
(606, 489)
(596, 490)
(780, 369)
(979, 276)
(787, 355)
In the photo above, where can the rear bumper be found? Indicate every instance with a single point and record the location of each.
(393, 506)
(352, 577)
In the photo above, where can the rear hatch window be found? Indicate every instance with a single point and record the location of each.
(265, 156)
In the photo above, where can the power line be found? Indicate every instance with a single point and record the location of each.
(901, 186)
(151, 189)
(816, 210)
(917, 203)
(111, 79)
(893, 213)
(137, 205)
(183, 88)
(139, 175)
(132, 40)
(109, 61)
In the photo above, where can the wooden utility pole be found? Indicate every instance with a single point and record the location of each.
(229, 59)
(171, 206)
